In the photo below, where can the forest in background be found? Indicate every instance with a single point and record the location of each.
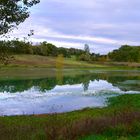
(125, 53)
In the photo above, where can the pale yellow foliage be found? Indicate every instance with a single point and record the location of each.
(59, 68)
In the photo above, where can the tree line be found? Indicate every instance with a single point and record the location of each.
(125, 53)
(13, 47)
(44, 49)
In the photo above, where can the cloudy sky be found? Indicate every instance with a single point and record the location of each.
(103, 24)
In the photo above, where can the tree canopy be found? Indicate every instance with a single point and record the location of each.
(126, 54)
(14, 12)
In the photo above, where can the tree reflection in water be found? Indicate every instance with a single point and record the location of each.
(47, 84)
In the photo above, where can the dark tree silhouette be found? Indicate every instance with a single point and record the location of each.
(14, 12)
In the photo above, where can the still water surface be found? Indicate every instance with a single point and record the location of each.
(52, 94)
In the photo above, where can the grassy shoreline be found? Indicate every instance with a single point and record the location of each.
(36, 61)
(32, 66)
(37, 73)
(119, 120)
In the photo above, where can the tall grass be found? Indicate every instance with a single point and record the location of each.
(122, 124)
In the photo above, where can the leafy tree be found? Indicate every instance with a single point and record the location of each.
(52, 50)
(21, 47)
(64, 51)
(86, 56)
(14, 12)
(4, 57)
(126, 54)
(44, 49)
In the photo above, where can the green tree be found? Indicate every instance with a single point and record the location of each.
(43, 47)
(126, 53)
(14, 12)
(4, 51)
(86, 55)
(52, 50)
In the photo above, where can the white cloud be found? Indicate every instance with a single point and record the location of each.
(99, 23)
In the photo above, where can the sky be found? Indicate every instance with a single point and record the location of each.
(104, 25)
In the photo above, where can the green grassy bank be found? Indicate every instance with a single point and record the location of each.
(33, 66)
(119, 121)
(50, 62)
(45, 61)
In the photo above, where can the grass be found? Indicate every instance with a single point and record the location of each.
(120, 120)
(34, 66)
(49, 62)
(100, 137)
(32, 61)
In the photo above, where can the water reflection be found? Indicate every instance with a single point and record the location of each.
(59, 69)
(47, 95)
(124, 82)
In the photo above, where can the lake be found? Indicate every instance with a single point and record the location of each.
(56, 94)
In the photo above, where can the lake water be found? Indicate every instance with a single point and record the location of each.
(63, 94)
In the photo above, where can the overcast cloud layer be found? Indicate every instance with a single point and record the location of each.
(103, 24)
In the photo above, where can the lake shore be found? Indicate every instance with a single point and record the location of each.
(32, 66)
(109, 122)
